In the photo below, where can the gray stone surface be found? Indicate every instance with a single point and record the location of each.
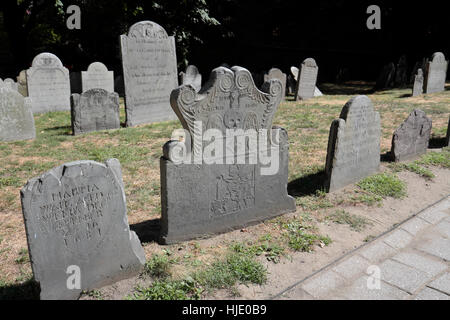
(307, 79)
(442, 283)
(192, 77)
(415, 225)
(398, 239)
(93, 110)
(386, 77)
(438, 247)
(435, 73)
(360, 291)
(276, 73)
(207, 197)
(48, 84)
(76, 215)
(431, 294)
(429, 265)
(97, 76)
(352, 266)
(418, 83)
(320, 285)
(150, 73)
(22, 83)
(16, 116)
(354, 144)
(410, 140)
(10, 83)
(403, 276)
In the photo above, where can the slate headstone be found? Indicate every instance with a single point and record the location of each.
(77, 228)
(354, 144)
(97, 76)
(22, 83)
(418, 83)
(192, 77)
(93, 110)
(203, 198)
(307, 78)
(435, 73)
(48, 84)
(276, 73)
(411, 138)
(150, 73)
(16, 116)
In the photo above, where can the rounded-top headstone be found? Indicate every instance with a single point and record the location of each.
(147, 29)
(97, 66)
(46, 60)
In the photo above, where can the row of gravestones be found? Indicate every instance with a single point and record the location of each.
(76, 217)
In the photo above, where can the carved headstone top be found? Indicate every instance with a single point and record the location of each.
(147, 29)
(294, 71)
(192, 77)
(97, 76)
(97, 67)
(46, 60)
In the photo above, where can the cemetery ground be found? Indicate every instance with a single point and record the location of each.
(256, 262)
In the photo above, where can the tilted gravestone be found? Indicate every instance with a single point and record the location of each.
(77, 229)
(93, 110)
(97, 76)
(386, 77)
(418, 83)
(206, 191)
(16, 116)
(48, 84)
(354, 144)
(307, 78)
(276, 73)
(411, 138)
(22, 83)
(192, 77)
(435, 73)
(150, 73)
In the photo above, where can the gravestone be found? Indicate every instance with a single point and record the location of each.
(386, 77)
(93, 110)
(10, 83)
(16, 116)
(307, 78)
(276, 73)
(77, 229)
(354, 144)
(401, 72)
(447, 139)
(150, 73)
(204, 192)
(97, 76)
(435, 73)
(192, 77)
(22, 83)
(411, 138)
(418, 83)
(48, 84)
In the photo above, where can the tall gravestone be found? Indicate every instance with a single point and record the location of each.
(435, 73)
(48, 84)
(307, 78)
(354, 144)
(411, 138)
(150, 73)
(97, 76)
(276, 73)
(418, 83)
(16, 116)
(22, 83)
(93, 110)
(192, 77)
(77, 229)
(204, 192)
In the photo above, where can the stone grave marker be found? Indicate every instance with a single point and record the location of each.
(150, 73)
(22, 83)
(192, 77)
(77, 229)
(435, 73)
(354, 144)
(48, 84)
(276, 73)
(204, 192)
(16, 116)
(94, 110)
(307, 78)
(418, 83)
(411, 138)
(10, 83)
(97, 76)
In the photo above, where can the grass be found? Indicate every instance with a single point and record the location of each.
(355, 222)
(441, 159)
(301, 238)
(384, 185)
(413, 167)
(158, 266)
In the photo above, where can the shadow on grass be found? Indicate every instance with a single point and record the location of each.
(28, 290)
(406, 95)
(436, 143)
(147, 231)
(65, 130)
(307, 185)
(348, 88)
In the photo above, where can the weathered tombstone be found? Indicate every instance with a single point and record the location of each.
(22, 83)
(216, 193)
(354, 144)
(447, 139)
(93, 110)
(48, 84)
(97, 76)
(16, 116)
(401, 72)
(411, 138)
(435, 73)
(10, 83)
(418, 83)
(192, 77)
(75, 82)
(386, 77)
(150, 73)
(77, 229)
(276, 73)
(307, 78)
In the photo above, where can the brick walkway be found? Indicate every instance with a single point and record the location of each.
(410, 262)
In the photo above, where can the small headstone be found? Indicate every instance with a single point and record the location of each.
(307, 78)
(97, 76)
(22, 83)
(276, 73)
(418, 83)
(435, 73)
(216, 195)
(192, 77)
(411, 138)
(93, 110)
(150, 73)
(16, 116)
(48, 84)
(10, 83)
(77, 229)
(354, 144)
(386, 78)
(401, 72)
